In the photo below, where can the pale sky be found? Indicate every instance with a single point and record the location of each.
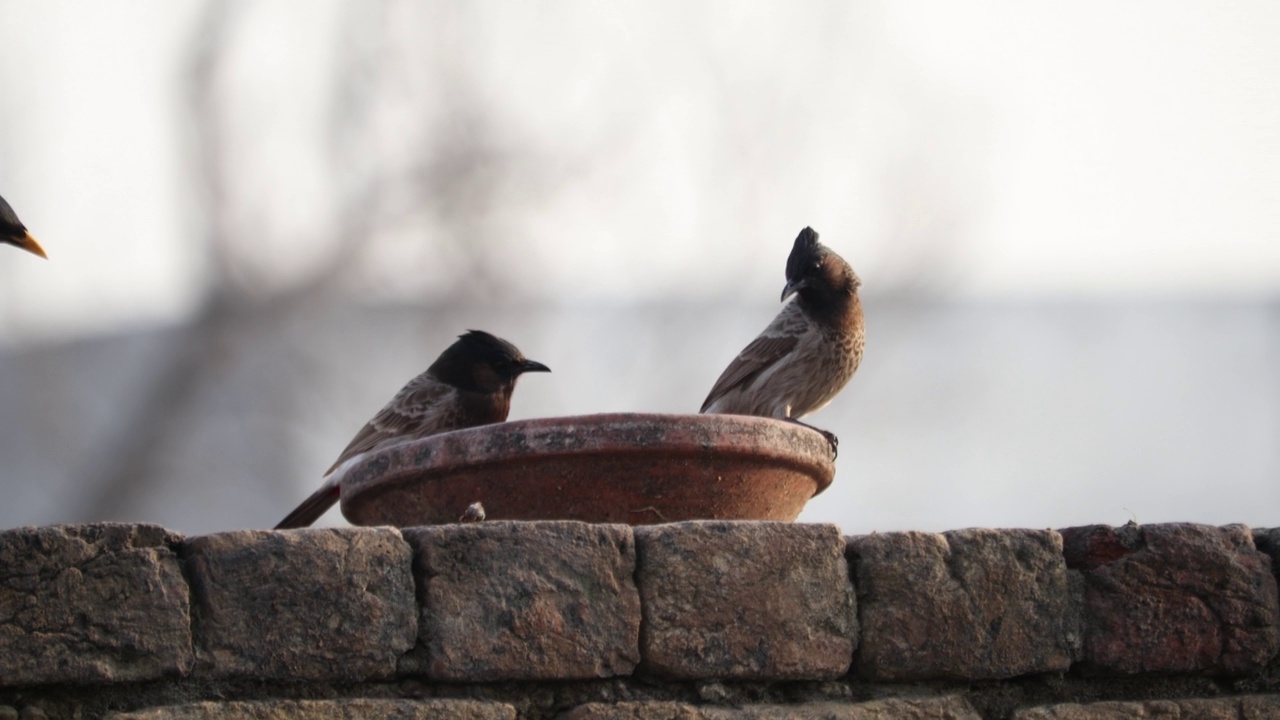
(1008, 149)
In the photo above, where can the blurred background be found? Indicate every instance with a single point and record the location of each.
(264, 218)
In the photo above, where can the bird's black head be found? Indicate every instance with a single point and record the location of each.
(816, 273)
(480, 362)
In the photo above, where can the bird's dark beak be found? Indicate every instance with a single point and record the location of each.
(533, 366)
(790, 289)
(28, 243)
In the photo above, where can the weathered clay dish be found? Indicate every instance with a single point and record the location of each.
(617, 468)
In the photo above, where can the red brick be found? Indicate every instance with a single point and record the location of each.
(1181, 598)
(968, 604)
(747, 600)
(310, 604)
(526, 601)
(91, 603)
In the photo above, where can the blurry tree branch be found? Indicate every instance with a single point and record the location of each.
(231, 307)
(125, 465)
(460, 175)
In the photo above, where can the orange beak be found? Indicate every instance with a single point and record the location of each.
(28, 243)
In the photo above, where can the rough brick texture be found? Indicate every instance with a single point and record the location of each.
(697, 621)
(1255, 707)
(526, 601)
(1175, 598)
(968, 604)
(745, 600)
(326, 709)
(1268, 541)
(943, 708)
(91, 603)
(301, 604)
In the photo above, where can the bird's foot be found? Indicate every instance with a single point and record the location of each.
(833, 440)
(830, 436)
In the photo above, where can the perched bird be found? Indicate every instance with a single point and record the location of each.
(12, 231)
(810, 350)
(469, 384)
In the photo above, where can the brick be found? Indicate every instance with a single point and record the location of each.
(1254, 707)
(1259, 707)
(525, 601)
(969, 605)
(648, 710)
(91, 603)
(935, 708)
(333, 604)
(327, 709)
(1175, 598)
(745, 600)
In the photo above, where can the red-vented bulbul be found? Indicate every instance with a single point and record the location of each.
(810, 350)
(469, 384)
(12, 231)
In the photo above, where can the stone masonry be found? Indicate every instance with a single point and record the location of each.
(714, 620)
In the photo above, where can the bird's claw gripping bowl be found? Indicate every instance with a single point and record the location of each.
(628, 468)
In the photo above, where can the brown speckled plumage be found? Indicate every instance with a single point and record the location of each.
(811, 349)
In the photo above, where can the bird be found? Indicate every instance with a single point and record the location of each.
(469, 384)
(13, 232)
(811, 349)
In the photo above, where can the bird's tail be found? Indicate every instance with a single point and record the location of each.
(311, 509)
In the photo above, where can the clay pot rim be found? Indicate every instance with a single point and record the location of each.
(597, 433)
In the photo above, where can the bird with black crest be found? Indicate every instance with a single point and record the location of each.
(470, 384)
(811, 349)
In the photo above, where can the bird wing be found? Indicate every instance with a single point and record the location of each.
(420, 408)
(773, 344)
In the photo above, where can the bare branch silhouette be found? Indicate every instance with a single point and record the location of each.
(124, 465)
(460, 175)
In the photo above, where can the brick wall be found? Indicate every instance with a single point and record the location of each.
(592, 622)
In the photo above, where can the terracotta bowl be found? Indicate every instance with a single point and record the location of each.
(616, 468)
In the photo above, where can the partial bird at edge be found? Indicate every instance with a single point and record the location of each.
(13, 232)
